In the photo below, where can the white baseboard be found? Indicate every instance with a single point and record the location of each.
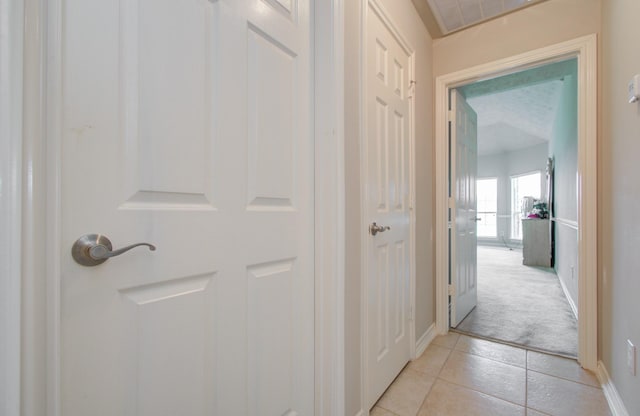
(613, 398)
(567, 295)
(425, 340)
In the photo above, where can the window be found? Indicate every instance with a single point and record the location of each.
(487, 192)
(521, 187)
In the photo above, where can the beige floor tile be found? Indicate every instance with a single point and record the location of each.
(446, 399)
(448, 341)
(560, 367)
(496, 351)
(405, 396)
(379, 411)
(431, 361)
(560, 397)
(531, 412)
(497, 379)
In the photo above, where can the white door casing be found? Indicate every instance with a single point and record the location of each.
(11, 205)
(585, 49)
(464, 240)
(387, 202)
(188, 125)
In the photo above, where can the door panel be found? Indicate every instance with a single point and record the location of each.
(387, 204)
(464, 172)
(187, 125)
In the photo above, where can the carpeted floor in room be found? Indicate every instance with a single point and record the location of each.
(520, 304)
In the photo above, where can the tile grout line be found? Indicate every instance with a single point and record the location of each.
(526, 383)
(492, 359)
(435, 378)
(483, 393)
(513, 344)
(526, 366)
(452, 350)
(384, 408)
(566, 379)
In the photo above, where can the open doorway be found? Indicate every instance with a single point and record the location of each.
(526, 131)
(583, 49)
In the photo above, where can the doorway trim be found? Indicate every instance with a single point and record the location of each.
(35, 385)
(585, 50)
(11, 118)
(378, 8)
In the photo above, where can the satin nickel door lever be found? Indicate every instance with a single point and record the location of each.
(93, 249)
(375, 228)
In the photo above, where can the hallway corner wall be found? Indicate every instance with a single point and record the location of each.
(619, 199)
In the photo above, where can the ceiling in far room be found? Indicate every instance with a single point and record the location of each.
(443, 17)
(518, 110)
(516, 118)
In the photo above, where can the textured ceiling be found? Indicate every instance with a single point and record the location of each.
(516, 119)
(518, 110)
(453, 15)
(548, 72)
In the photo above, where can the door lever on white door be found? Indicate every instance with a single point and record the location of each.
(375, 228)
(93, 249)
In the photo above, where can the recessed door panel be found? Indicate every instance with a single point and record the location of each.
(272, 74)
(270, 313)
(173, 326)
(167, 64)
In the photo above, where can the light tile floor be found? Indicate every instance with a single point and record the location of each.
(461, 375)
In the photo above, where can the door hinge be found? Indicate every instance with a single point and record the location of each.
(449, 225)
(452, 290)
(411, 91)
(450, 115)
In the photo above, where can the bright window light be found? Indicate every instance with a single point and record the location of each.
(521, 187)
(487, 193)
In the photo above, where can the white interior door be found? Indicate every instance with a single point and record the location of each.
(387, 203)
(186, 124)
(464, 240)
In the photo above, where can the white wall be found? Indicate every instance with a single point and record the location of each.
(619, 202)
(505, 165)
(406, 18)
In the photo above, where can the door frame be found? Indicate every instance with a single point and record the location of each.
(585, 50)
(35, 237)
(380, 10)
(11, 115)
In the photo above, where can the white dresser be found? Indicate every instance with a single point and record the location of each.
(536, 242)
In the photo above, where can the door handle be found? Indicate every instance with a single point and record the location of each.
(375, 228)
(476, 219)
(93, 249)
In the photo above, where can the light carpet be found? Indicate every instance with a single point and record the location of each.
(521, 305)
